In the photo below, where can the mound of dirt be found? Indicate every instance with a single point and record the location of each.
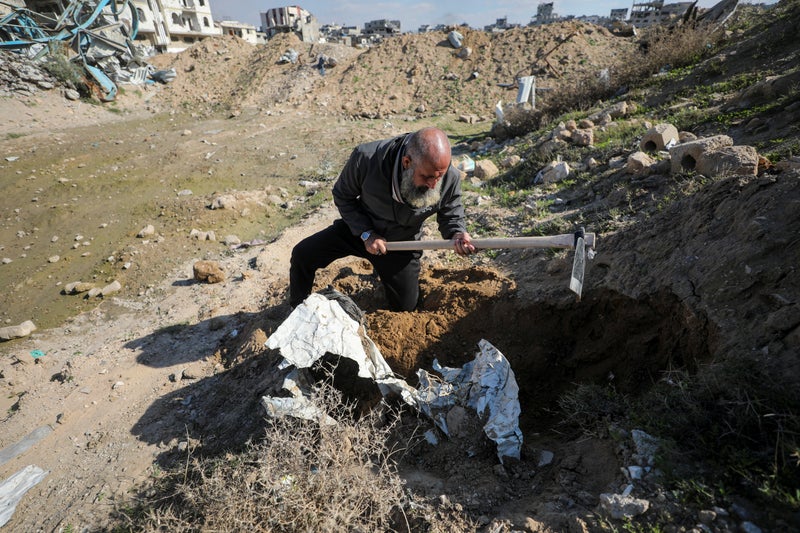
(380, 81)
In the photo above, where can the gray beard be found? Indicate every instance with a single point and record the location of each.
(418, 197)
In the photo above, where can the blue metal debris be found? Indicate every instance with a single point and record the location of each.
(94, 29)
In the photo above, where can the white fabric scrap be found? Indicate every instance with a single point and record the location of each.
(14, 488)
(486, 384)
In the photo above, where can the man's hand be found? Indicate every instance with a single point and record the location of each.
(463, 243)
(376, 245)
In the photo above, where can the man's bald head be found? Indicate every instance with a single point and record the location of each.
(430, 145)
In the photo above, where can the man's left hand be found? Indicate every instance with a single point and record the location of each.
(463, 243)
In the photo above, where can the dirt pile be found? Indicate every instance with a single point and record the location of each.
(381, 81)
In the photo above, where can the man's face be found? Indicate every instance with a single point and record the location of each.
(421, 185)
(427, 173)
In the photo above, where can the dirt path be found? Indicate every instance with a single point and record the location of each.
(96, 385)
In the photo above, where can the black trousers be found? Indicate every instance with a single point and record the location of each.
(398, 271)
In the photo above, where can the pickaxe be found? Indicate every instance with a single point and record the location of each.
(578, 240)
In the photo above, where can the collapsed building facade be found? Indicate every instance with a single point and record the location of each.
(290, 19)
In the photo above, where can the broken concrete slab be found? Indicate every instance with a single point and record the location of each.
(659, 137)
(684, 157)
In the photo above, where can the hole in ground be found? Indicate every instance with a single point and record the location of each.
(607, 337)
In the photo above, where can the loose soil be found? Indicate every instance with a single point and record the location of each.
(123, 382)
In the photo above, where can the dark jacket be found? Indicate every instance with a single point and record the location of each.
(363, 195)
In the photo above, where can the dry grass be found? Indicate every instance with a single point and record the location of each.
(302, 476)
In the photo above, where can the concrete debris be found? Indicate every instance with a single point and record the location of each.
(619, 506)
(101, 43)
(659, 137)
(290, 56)
(456, 39)
(714, 156)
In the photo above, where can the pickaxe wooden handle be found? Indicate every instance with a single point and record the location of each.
(566, 240)
(578, 240)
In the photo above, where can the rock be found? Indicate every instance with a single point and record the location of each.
(749, 527)
(586, 124)
(456, 420)
(646, 447)
(72, 94)
(93, 292)
(464, 52)
(7, 260)
(146, 231)
(659, 137)
(552, 173)
(485, 169)
(621, 507)
(545, 458)
(53, 259)
(208, 272)
(111, 288)
(583, 137)
(686, 137)
(639, 164)
(469, 119)
(17, 332)
(510, 161)
(706, 516)
(77, 287)
(231, 240)
(202, 235)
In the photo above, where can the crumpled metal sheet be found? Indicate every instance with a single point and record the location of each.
(486, 384)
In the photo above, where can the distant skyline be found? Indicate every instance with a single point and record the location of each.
(413, 14)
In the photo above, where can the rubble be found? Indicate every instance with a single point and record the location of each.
(100, 43)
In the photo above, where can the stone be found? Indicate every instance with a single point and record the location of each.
(17, 332)
(208, 272)
(77, 287)
(583, 137)
(659, 137)
(72, 94)
(111, 288)
(621, 507)
(485, 169)
(510, 161)
(686, 137)
(53, 259)
(585, 124)
(231, 240)
(639, 164)
(146, 231)
(552, 173)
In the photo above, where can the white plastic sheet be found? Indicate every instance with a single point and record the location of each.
(486, 384)
(14, 488)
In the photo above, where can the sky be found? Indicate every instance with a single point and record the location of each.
(412, 14)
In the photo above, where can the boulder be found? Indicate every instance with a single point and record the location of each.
(16, 332)
(485, 169)
(583, 137)
(639, 164)
(208, 272)
(77, 287)
(510, 161)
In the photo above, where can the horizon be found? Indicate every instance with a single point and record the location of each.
(412, 15)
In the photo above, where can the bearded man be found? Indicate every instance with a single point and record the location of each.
(384, 193)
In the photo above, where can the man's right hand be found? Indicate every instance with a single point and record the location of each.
(376, 245)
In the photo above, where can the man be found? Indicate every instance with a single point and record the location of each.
(385, 192)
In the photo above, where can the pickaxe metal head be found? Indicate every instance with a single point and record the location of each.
(579, 263)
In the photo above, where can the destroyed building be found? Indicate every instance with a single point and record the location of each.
(290, 19)
(646, 14)
(544, 14)
(382, 27)
(246, 32)
(173, 25)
